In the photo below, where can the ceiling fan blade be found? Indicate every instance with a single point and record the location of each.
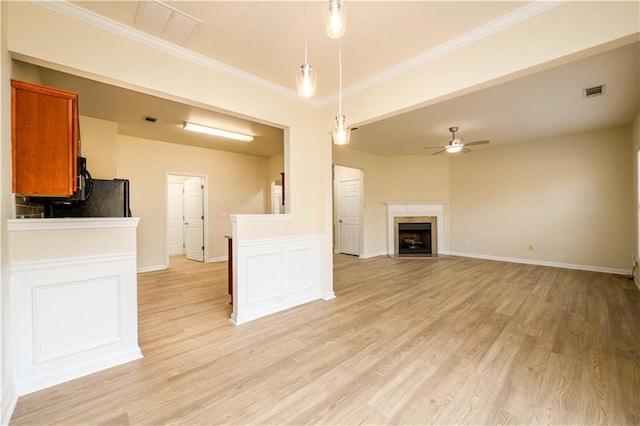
(477, 143)
(438, 152)
(433, 147)
(465, 150)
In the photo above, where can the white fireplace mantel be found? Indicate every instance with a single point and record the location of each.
(410, 209)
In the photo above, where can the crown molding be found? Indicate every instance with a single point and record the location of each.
(513, 18)
(78, 13)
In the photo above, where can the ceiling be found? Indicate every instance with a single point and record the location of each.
(266, 40)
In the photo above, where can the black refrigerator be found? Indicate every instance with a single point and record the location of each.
(107, 198)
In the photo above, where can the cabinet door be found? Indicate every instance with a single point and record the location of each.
(44, 128)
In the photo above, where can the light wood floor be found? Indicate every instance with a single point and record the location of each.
(406, 341)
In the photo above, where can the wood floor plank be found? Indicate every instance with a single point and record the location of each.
(446, 340)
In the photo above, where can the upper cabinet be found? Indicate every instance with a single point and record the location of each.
(45, 140)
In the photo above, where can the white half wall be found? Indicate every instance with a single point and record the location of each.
(271, 275)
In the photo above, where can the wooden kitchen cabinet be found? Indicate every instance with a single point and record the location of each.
(44, 140)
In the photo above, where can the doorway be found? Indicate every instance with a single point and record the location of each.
(187, 220)
(347, 209)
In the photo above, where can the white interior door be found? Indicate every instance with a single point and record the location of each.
(276, 198)
(194, 219)
(349, 216)
(176, 218)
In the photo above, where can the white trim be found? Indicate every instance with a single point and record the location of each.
(513, 18)
(370, 255)
(328, 296)
(412, 209)
(68, 262)
(261, 217)
(9, 401)
(76, 371)
(152, 268)
(218, 259)
(544, 263)
(107, 24)
(46, 224)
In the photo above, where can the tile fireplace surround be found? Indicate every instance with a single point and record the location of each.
(414, 209)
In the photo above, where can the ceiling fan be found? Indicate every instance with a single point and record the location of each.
(455, 144)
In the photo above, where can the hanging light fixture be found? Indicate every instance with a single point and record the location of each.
(306, 79)
(340, 132)
(335, 18)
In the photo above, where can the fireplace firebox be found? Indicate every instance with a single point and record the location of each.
(414, 239)
(416, 236)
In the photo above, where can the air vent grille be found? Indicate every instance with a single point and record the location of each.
(591, 92)
(149, 119)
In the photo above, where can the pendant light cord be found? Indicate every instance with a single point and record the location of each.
(305, 33)
(340, 75)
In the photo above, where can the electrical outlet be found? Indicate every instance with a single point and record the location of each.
(634, 259)
(466, 243)
(145, 253)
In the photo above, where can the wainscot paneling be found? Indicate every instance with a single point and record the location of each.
(72, 317)
(275, 274)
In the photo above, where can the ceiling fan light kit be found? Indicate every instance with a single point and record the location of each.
(456, 144)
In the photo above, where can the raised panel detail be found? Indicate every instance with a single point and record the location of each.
(62, 313)
(264, 277)
(303, 269)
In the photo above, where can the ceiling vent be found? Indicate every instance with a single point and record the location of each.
(149, 119)
(161, 19)
(594, 91)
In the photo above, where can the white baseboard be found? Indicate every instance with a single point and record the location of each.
(218, 259)
(75, 372)
(9, 401)
(370, 255)
(152, 268)
(254, 314)
(328, 295)
(543, 263)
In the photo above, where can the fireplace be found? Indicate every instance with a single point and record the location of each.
(431, 212)
(416, 236)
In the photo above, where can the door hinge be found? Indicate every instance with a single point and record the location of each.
(183, 246)
(201, 186)
(202, 248)
(202, 217)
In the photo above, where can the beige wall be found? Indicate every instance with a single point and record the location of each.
(540, 42)
(98, 139)
(562, 200)
(570, 198)
(394, 178)
(235, 184)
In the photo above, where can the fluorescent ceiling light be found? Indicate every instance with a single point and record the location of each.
(217, 132)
